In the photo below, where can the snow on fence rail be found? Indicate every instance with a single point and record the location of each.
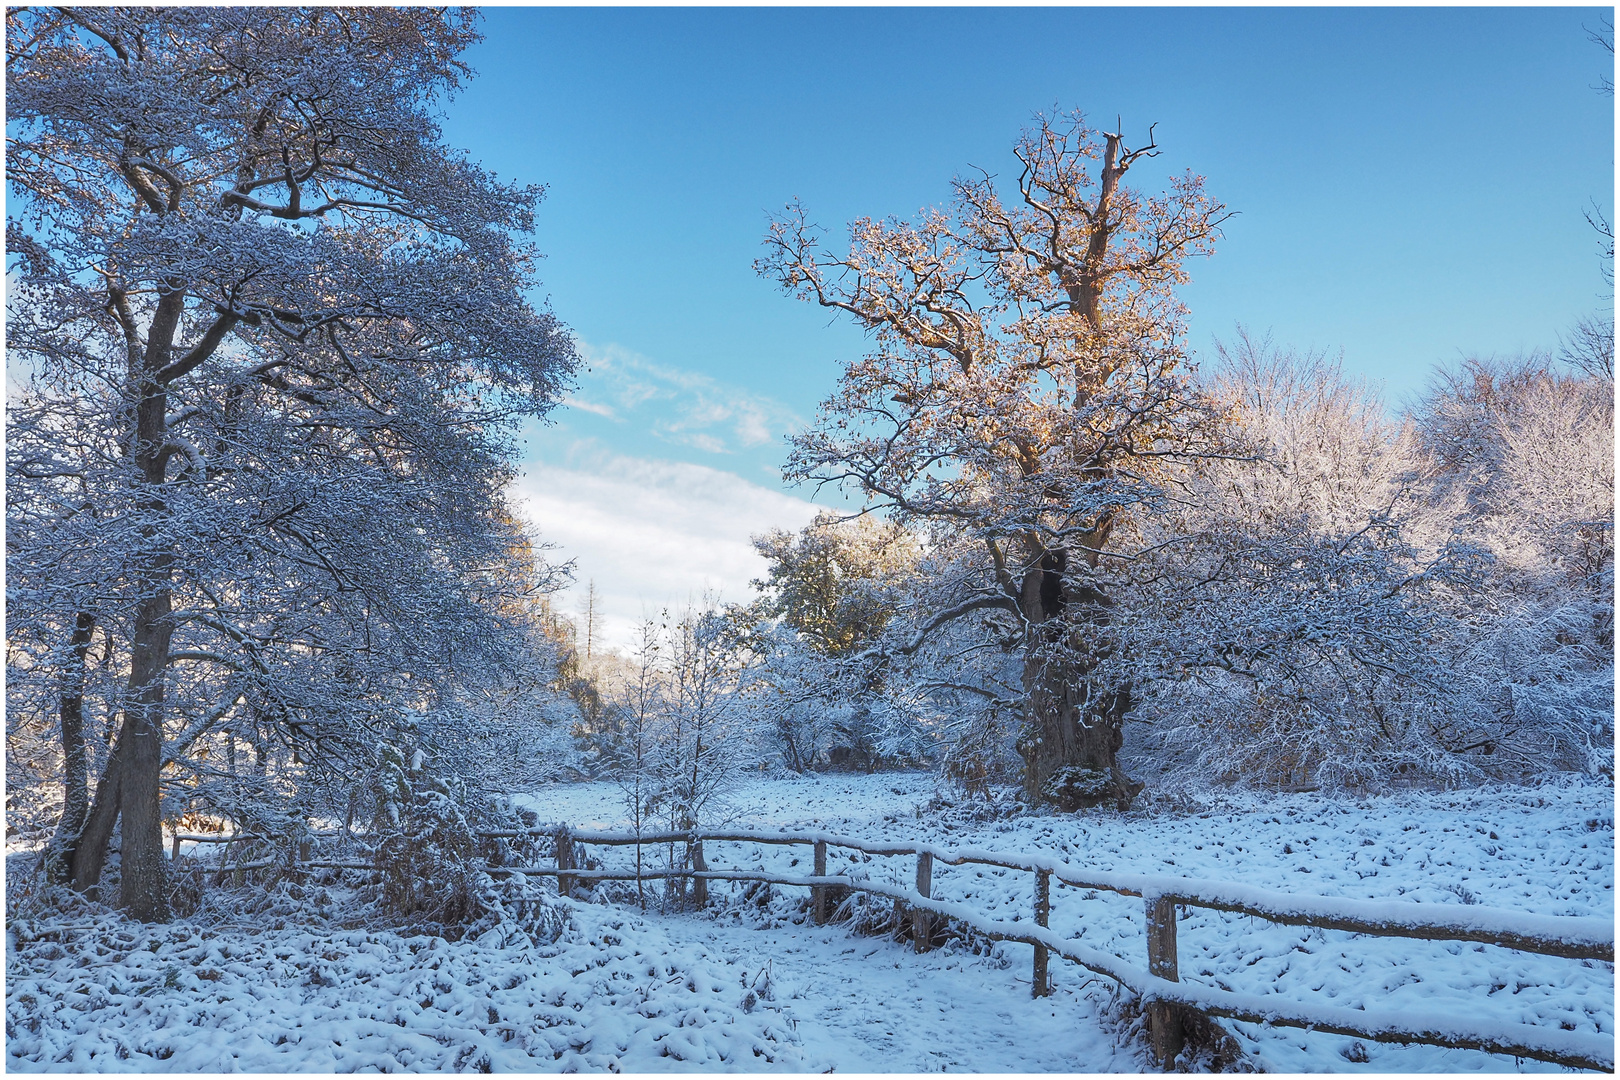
(1159, 986)
(1579, 938)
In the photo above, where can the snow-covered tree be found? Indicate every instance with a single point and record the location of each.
(1285, 623)
(706, 737)
(1524, 458)
(684, 731)
(641, 706)
(271, 333)
(829, 594)
(1025, 396)
(1368, 600)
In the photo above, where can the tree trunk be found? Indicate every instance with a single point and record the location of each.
(1073, 726)
(144, 892)
(90, 852)
(130, 784)
(144, 888)
(75, 767)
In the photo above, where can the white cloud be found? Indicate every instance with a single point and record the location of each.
(650, 533)
(684, 408)
(753, 426)
(703, 442)
(573, 402)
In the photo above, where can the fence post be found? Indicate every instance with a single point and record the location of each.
(818, 893)
(1164, 1019)
(303, 851)
(1043, 908)
(564, 841)
(700, 885)
(174, 851)
(921, 928)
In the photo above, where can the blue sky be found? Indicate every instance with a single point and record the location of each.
(1410, 186)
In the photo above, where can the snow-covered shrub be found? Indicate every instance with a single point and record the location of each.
(1207, 1047)
(425, 849)
(881, 916)
(1371, 602)
(1273, 661)
(799, 697)
(431, 862)
(830, 593)
(983, 755)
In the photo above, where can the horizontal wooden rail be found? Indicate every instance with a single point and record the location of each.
(1577, 1050)
(593, 875)
(236, 838)
(1573, 937)
(1522, 1040)
(283, 864)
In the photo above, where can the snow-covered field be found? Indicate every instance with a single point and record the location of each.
(758, 987)
(1547, 850)
(617, 993)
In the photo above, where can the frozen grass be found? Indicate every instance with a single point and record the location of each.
(617, 993)
(752, 985)
(1547, 850)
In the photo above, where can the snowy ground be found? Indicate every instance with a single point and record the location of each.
(1546, 850)
(751, 988)
(617, 993)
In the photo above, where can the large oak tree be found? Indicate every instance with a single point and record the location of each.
(1023, 398)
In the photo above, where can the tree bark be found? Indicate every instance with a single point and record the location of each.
(90, 852)
(1073, 726)
(75, 767)
(144, 889)
(144, 876)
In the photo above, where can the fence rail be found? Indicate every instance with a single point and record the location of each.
(1578, 938)
(1159, 987)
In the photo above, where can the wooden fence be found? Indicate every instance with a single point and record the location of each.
(1164, 996)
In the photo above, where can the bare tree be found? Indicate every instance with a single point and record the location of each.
(642, 704)
(1024, 396)
(705, 730)
(1589, 347)
(1603, 36)
(590, 618)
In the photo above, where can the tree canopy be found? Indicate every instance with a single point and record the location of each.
(274, 335)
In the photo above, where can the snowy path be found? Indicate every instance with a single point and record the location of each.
(862, 1004)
